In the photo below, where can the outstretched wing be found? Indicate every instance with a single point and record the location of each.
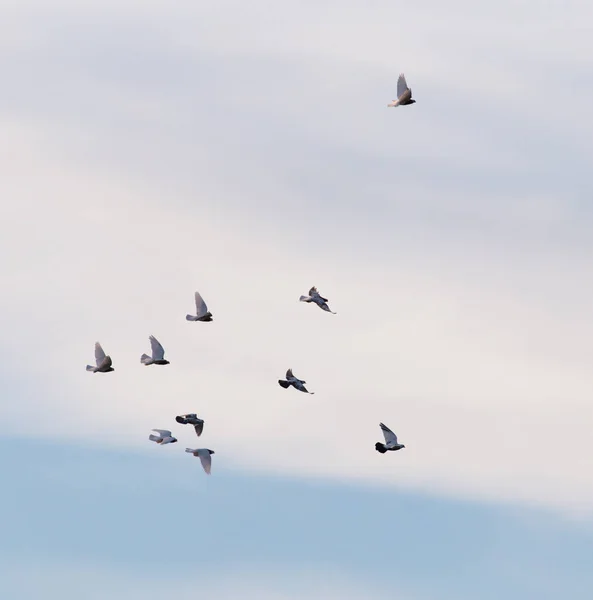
(289, 375)
(199, 427)
(158, 352)
(390, 437)
(163, 432)
(402, 86)
(206, 460)
(99, 354)
(316, 295)
(201, 308)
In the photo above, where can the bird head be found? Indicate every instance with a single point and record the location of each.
(403, 446)
(173, 441)
(412, 101)
(211, 451)
(166, 362)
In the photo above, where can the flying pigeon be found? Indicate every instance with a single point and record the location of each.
(404, 93)
(164, 437)
(317, 299)
(202, 312)
(103, 362)
(205, 457)
(158, 354)
(192, 419)
(299, 384)
(390, 441)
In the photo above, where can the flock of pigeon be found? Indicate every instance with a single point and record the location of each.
(104, 364)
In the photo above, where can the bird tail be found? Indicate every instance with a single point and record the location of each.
(145, 359)
(190, 450)
(91, 368)
(191, 318)
(284, 383)
(379, 447)
(154, 438)
(305, 299)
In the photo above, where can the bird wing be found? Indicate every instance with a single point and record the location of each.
(201, 308)
(316, 296)
(199, 427)
(289, 375)
(389, 436)
(106, 362)
(163, 432)
(99, 354)
(402, 86)
(206, 460)
(158, 352)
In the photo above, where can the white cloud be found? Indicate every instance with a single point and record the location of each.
(463, 305)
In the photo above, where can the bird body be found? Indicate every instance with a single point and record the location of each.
(158, 354)
(205, 456)
(404, 93)
(316, 298)
(164, 437)
(192, 419)
(202, 312)
(391, 442)
(103, 362)
(295, 382)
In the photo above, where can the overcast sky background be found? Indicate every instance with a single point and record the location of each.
(246, 150)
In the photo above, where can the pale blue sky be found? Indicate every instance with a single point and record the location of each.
(245, 149)
(152, 519)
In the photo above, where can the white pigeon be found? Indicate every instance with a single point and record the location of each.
(404, 93)
(390, 441)
(299, 384)
(164, 437)
(158, 354)
(202, 312)
(103, 362)
(205, 457)
(316, 299)
(192, 419)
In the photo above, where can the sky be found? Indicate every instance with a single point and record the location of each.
(246, 150)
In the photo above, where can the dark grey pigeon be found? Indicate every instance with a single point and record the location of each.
(316, 299)
(293, 381)
(192, 419)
